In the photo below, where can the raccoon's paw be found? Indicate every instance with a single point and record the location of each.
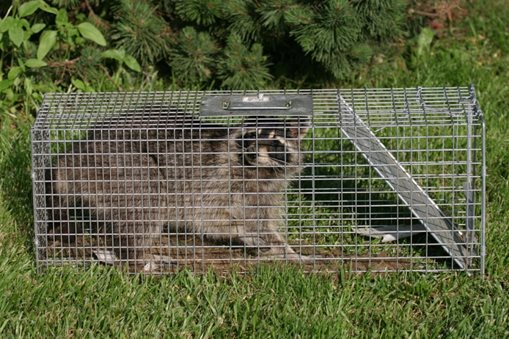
(286, 253)
(157, 263)
(151, 267)
(105, 256)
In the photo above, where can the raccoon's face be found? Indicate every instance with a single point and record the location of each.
(271, 144)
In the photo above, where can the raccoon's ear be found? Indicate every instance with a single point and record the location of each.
(298, 129)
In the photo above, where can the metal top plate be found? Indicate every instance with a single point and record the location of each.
(257, 105)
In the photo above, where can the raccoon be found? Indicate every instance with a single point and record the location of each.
(226, 183)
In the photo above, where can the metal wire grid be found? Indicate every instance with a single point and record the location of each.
(339, 211)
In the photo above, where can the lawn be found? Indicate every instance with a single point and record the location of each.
(282, 301)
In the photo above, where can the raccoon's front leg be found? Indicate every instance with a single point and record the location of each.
(261, 247)
(135, 236)
(263, 239)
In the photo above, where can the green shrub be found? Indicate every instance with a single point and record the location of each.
(46, 49)
(242, 44)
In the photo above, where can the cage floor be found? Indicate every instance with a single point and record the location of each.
(174, 253)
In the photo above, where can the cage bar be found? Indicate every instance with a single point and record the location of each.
(363, 179)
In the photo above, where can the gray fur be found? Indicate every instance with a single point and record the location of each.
(225, 183)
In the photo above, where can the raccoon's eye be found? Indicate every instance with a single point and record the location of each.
(251, 135)
(277, 146)
(246, 139)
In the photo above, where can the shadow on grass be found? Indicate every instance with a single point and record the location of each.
(15, 181)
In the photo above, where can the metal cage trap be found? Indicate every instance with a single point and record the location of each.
(364, 179)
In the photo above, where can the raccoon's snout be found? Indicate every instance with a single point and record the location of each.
(257, 155)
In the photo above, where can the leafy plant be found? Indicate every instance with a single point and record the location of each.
(39, 42)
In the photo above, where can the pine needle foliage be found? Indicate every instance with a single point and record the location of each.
(381, 19)
(243, 19)
(274, 14)
(141, 32)
(332, 34)
(262, 38)
(202, 12)
(238, 44)
(243, 67)
(193, 57)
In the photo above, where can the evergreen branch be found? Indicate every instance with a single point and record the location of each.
(243, 68)
(203, 12)
(141, 32)
(193, 58)
(244, 20)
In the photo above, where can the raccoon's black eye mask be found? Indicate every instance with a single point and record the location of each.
(289, 128)
(270, 140)
(272, 137)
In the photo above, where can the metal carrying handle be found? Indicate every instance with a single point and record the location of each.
(227, 105)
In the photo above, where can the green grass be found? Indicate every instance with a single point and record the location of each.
(281, 301)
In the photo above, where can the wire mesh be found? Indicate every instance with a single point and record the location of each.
(362, 179)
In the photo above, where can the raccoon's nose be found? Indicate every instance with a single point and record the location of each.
(279, 153)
